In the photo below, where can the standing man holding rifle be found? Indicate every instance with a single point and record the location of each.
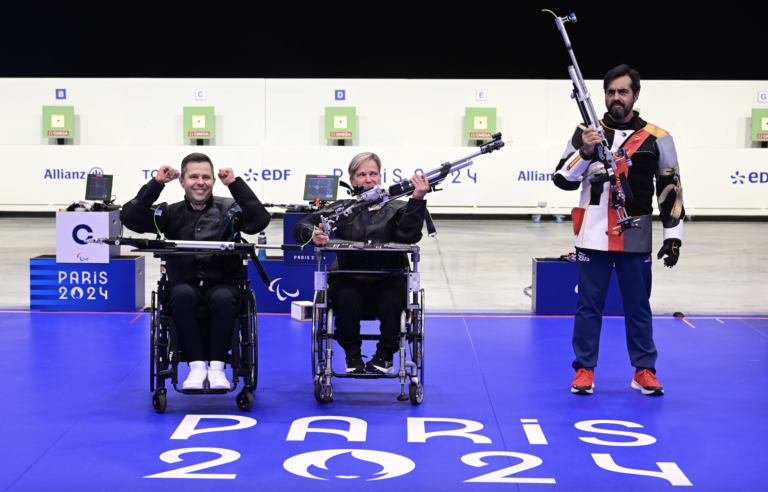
(614, 161)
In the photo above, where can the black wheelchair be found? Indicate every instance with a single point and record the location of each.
(165, 351)
(411, 338)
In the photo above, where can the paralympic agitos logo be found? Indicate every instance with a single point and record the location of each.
(275, 287)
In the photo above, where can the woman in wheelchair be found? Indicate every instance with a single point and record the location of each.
(399, 222)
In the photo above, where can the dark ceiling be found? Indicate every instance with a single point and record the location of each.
(319, 39)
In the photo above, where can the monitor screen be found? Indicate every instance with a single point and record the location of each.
(321, 186)
(98, 187)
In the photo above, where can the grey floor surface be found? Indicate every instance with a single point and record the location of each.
(483, 266)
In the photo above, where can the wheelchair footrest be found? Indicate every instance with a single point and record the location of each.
(365, 376)
(180, 358)
(365, 337)
(204, 391)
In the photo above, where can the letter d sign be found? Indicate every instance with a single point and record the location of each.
(341, 95)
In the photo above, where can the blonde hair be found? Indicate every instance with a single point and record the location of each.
(361, 158)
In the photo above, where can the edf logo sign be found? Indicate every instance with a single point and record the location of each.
(341, 95)
(77, 229)
(61, 93)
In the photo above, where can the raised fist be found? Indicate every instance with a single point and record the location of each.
(227, 176)
(166, 174)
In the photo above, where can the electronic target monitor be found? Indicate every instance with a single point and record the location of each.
(321, 186)
(98, 187)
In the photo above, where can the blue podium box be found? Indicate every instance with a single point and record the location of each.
(554, 289)
(114, 286)
(288, 283)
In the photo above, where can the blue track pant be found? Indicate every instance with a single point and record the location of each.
(594, 274)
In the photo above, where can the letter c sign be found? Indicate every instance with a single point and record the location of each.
(78, 229)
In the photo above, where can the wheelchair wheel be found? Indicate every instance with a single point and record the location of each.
(255, 348)
(159, 402)
(417, 340)
(323, 392)
(152, 327)
(421, 338)
(245, 400)
(416, 393)
(316, 342)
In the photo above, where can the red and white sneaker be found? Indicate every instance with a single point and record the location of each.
(584, 382)
(646, 382)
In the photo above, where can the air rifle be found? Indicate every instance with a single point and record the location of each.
(620, 191)
(153, 244)
(376, 196)
(159, 246)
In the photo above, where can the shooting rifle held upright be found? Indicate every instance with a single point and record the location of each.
(371, 197)
(620, 191)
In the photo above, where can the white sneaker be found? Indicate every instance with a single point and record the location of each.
(216, 377)
(197, 376)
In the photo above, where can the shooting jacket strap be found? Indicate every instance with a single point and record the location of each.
(431, 230)
(668, 171)
(677, 208)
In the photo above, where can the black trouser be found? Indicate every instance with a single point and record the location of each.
(594, 270)
(348, 295)
(221, 300)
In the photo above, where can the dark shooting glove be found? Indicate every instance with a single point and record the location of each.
(671, 248)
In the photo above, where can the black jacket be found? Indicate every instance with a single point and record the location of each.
(181, 221)
(397, 222)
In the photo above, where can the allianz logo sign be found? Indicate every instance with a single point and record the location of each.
(70, 174)
(753, 177)
(534, 176)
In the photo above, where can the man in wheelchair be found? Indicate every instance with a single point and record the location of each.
(397, 221)
(199, 279)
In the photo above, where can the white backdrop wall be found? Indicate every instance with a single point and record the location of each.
(271, 133)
